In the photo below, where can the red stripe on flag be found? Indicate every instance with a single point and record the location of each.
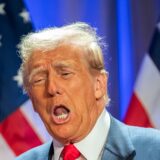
(18, 133)
(136, 114)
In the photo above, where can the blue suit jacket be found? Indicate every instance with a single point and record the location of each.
(123, 143)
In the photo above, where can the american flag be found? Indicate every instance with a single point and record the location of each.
(144, 108)
(20, 128)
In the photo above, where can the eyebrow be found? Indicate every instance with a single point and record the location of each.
(58, 65)
(35, 71)
(64, 64)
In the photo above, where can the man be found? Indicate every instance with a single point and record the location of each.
(64, 76)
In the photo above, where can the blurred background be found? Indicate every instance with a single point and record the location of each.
(127, 27)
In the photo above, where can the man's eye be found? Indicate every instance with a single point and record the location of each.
(38, 81)
(66, 74)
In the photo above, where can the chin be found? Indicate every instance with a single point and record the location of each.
(62, 134)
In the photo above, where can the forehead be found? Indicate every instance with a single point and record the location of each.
(64, 55)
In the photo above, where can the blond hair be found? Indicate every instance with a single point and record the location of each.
(79, 34)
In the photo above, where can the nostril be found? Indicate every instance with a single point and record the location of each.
(52, 94)
(53, 90)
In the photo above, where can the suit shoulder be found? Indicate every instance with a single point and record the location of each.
(37, 153)
(147, 135)
(146, 139)
(144, 142)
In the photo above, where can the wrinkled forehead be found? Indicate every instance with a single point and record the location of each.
(61, 56)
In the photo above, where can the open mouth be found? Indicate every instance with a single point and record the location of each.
(60, 114)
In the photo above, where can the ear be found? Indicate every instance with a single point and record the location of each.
(101, 85)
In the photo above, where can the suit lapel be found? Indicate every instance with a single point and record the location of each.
(118, 145)
(51, 152)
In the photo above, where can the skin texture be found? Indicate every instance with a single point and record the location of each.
(62, 77)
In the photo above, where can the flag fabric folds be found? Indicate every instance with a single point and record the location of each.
(144, 107)
(20, 128)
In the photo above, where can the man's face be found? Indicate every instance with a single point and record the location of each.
(64, 92)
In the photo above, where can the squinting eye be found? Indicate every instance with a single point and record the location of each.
(66, 74)
(38, 81)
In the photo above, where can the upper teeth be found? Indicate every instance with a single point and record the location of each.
(62, 116)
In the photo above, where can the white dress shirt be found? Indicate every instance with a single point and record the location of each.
(91, 147)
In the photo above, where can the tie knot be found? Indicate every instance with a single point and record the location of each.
(70, 152)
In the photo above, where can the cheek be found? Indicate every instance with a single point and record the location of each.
(41, 109)
(84, 99)
(38, 101)
(37, 93)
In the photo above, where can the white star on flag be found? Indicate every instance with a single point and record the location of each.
(25, 15)
(2, 11)
(18, 78)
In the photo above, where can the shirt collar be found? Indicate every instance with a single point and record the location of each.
(58, 147)
(92, 145)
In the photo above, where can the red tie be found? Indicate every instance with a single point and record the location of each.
(70, 152)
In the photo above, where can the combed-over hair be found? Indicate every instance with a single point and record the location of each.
(79, 34)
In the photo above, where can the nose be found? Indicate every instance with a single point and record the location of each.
(53, 87)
